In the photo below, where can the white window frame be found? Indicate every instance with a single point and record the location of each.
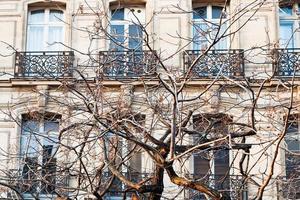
(209, 20)
(46, 24)
(129, 19)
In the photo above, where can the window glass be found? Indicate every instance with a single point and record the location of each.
(35, 38)
(286, 34)
(221, 162)
(206, 27)
(45, 27)
(37, 16)
(200, 35)
(118, 38)
(39, 142)
(292, 140)
(200, 13)
(56, 16)
(54, 37)
(117, 14)
(222, 44)
(286, 10)
(127, 33)
(217, 12)
(135, 37)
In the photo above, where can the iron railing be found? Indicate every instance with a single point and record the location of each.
(288, 188)
(44, 64)
(127, 64)
(117, 189)
(286, 62)
(234, 186)
(215, 63)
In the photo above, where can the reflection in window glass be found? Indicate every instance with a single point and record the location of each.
(286, 10)
(56, 16)
(206, 23)
(135, 37)
(39, 145)
(200, 13)
(286, 34)
(117, 14)
(217, 12)
(118, 39)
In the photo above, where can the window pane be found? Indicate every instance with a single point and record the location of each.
(55, 36)
(135, 37)
(51, 126)
(37, 17)
(56, 16)
(201, 165)
(201, 36)
(286, 11)
(117, 41)
(29, 142)
(51, 129)
(222, 44)
(200, 13)
(117, 14)
(217, 12)
(293, 144)
(286, 34)
(35, 38)
(221, 161)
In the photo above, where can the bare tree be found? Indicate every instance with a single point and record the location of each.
(129, 123)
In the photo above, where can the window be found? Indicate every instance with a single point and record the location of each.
(39, 145)
(126, 29)
(206, 22)
(289, 24)
(45, 30)
(212, 166)
(292, 159)
(118, 149)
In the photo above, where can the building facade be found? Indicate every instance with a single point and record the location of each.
(93, 92)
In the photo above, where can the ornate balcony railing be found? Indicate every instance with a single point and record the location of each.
(287, 62)
(288, 188)
(233, 185)
(124, 64)
(47, 64)
(215, 62)
(117, 188)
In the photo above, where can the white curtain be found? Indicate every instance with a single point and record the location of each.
(35, 38)
(55, 35)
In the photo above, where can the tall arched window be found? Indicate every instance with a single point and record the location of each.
(212, 166)
(206, 23)
(39, 145)
(45, 30)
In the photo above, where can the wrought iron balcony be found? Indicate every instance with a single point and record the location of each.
(215, 62)
(124, 64)
(287, 62)
(288, 188)
(117, 187)
(47, 64)
(233, 185)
